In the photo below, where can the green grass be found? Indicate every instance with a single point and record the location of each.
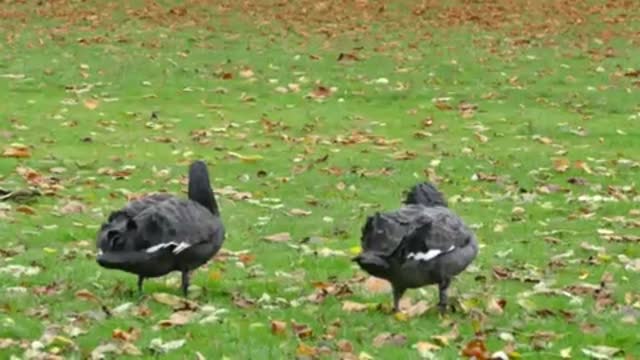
(54, 59)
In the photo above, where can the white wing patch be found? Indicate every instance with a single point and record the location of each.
(179, 247)
(429, 254)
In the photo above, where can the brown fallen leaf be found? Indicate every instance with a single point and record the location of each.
(347, 57)
(344, 346)
(279, 237)
(305, 351)
(417, 309)
(242, 301)
(389, 339)
(467, 110)
(87, 295)
(28, 210)
(476, 349)
(444, 339)
(73, 207)
(320, 92)
(583, 166)
(352, 306)
(496, 306)
(17, 151)
(278, 327)
(561, 164)
(176, 302)
(130, 335)
(178, 318)
(302, 331)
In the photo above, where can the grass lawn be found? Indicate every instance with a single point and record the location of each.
(312, 115)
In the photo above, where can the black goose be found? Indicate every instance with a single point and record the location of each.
(161, 233)
(420, 244)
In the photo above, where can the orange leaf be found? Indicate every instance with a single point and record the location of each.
(306, 350)
(476, 349)
(85, 294)
(91, 104)
(17, 151)
(26, 210)
(561, 164)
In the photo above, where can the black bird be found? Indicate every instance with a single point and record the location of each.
(161, 233)
(420, 244)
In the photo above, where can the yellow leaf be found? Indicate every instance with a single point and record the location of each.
(565, 353)
(355, 250)
(50, 250)
(215, 275)
(245, 158)
(400, 316)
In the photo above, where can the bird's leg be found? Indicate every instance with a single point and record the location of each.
(185, 282)
(442, 287)
(397, 294)
(140, 281)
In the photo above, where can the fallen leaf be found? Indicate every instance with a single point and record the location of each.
(565, 353)
(73, 207)
(246, 73)
(444, 339)
(476, 349)
(17, 271)
(299, 212)
(389, 339)
(352, 306)
(130, 335)
(302, 331)
(157, 345)
(561, 164)
(178, 318)
(304, 350)
(320, 92)
(417, 309)
(279, 237)
(426, 349)
(242, 301)
(176, 302)
(28, 210)
(91, 104)
(87, 295)
(344, 346)
(17, 151)
(601, 352)
(245, 158)
(278, 327)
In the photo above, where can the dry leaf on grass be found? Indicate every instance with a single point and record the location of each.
(352, 306)
(389, 339)
(278, 327)
(279, 237)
